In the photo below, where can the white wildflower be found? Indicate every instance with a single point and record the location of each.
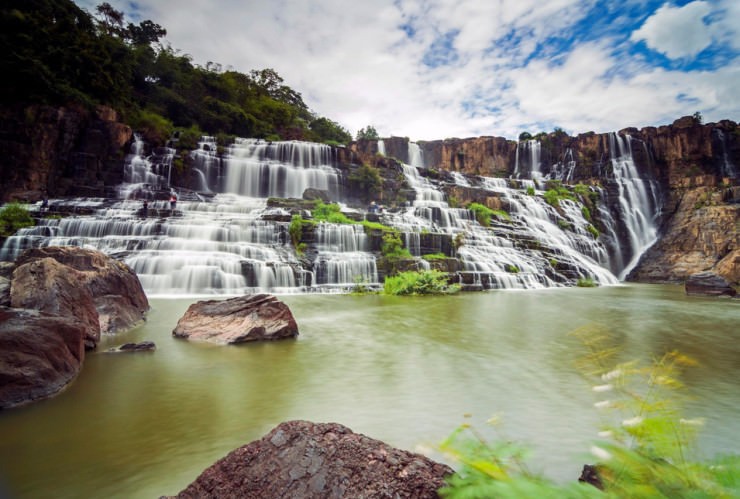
(600, 453)
(693, 422)
(632, 421)
(602, 388)
(611, 375)
(605, 434)
(602, 404)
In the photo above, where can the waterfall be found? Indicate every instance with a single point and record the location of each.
(638, 203)
(261, 169)
(381, 147)
(528, 162)
(207, 164)
(152, 171)
(416, 156)
(727, 169)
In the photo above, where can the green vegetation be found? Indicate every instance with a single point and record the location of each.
(586, 212)
(366, 179)
(593, 230)
(555, 192)
(431, 257)
(60, 54)
(645, 453)
(530, 191)
(483, 214)
(586, 282)
(14, 216)
(425, 282)
(368, 133)
(564, 224)
(511, 269)
(330, 212)
(392, 247)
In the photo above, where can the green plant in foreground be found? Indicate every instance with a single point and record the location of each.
(392, 247)
(14, 216)
(646, 454)
(482, 213)
(425, 282)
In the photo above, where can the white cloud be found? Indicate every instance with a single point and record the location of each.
(358, 66)
(677, 31)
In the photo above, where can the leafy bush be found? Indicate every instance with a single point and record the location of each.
(586, 212)
(366, 179)
(296, 230)
(14, 216)
(392, 247)
(593, 230)
(586, 282)
(511, 269)
(482, 213)
(530, 191)
(425, 282)
(329, 212)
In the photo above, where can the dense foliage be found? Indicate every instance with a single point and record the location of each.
(53, 52)
(14, 216)
(425, 282)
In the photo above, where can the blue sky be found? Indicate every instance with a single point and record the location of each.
(435, 69)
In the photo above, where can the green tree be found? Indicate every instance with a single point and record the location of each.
(368, 133)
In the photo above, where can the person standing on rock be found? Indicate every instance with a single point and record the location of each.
(173, 201)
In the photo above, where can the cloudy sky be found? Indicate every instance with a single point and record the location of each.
(432, 69)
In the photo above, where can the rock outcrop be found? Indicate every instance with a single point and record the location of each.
(319, 460)
(708, 284)
(60, 151)
(237, 320)
(60, 298)
(40, 354)
(118, 299)
(701, 232)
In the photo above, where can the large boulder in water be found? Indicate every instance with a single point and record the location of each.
(40, 354)
(708, 284)
(237, 320)
(116, 292)
(319, 460)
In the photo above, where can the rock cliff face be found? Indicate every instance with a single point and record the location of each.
(60, 152)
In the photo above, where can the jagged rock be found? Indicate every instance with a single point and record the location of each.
(312, 194)
(144, 346)
(319, 460)
(708, 284)
(39, 354)
(119, 299)
(48, 286)
(237, 320)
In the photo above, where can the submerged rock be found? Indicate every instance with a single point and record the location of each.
(144, 346)
(319, 460)
(237, 320)
(40, 354)
(708, 284)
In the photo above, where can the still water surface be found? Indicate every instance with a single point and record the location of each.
(402, 370)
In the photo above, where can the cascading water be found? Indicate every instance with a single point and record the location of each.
(226, 240)
(261, 169)
(146, 171)
(381, 147)
(638, 202)
(528, 160)
(727, 169)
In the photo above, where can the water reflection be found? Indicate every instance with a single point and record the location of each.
(403, 370)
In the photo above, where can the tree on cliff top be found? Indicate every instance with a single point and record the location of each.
(368, 133)
(52, 52)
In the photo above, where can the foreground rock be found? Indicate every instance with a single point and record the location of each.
(40, 354)
(60, 300)
(326, 460)
(237, 320)
(708, 284)
(118, 299)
